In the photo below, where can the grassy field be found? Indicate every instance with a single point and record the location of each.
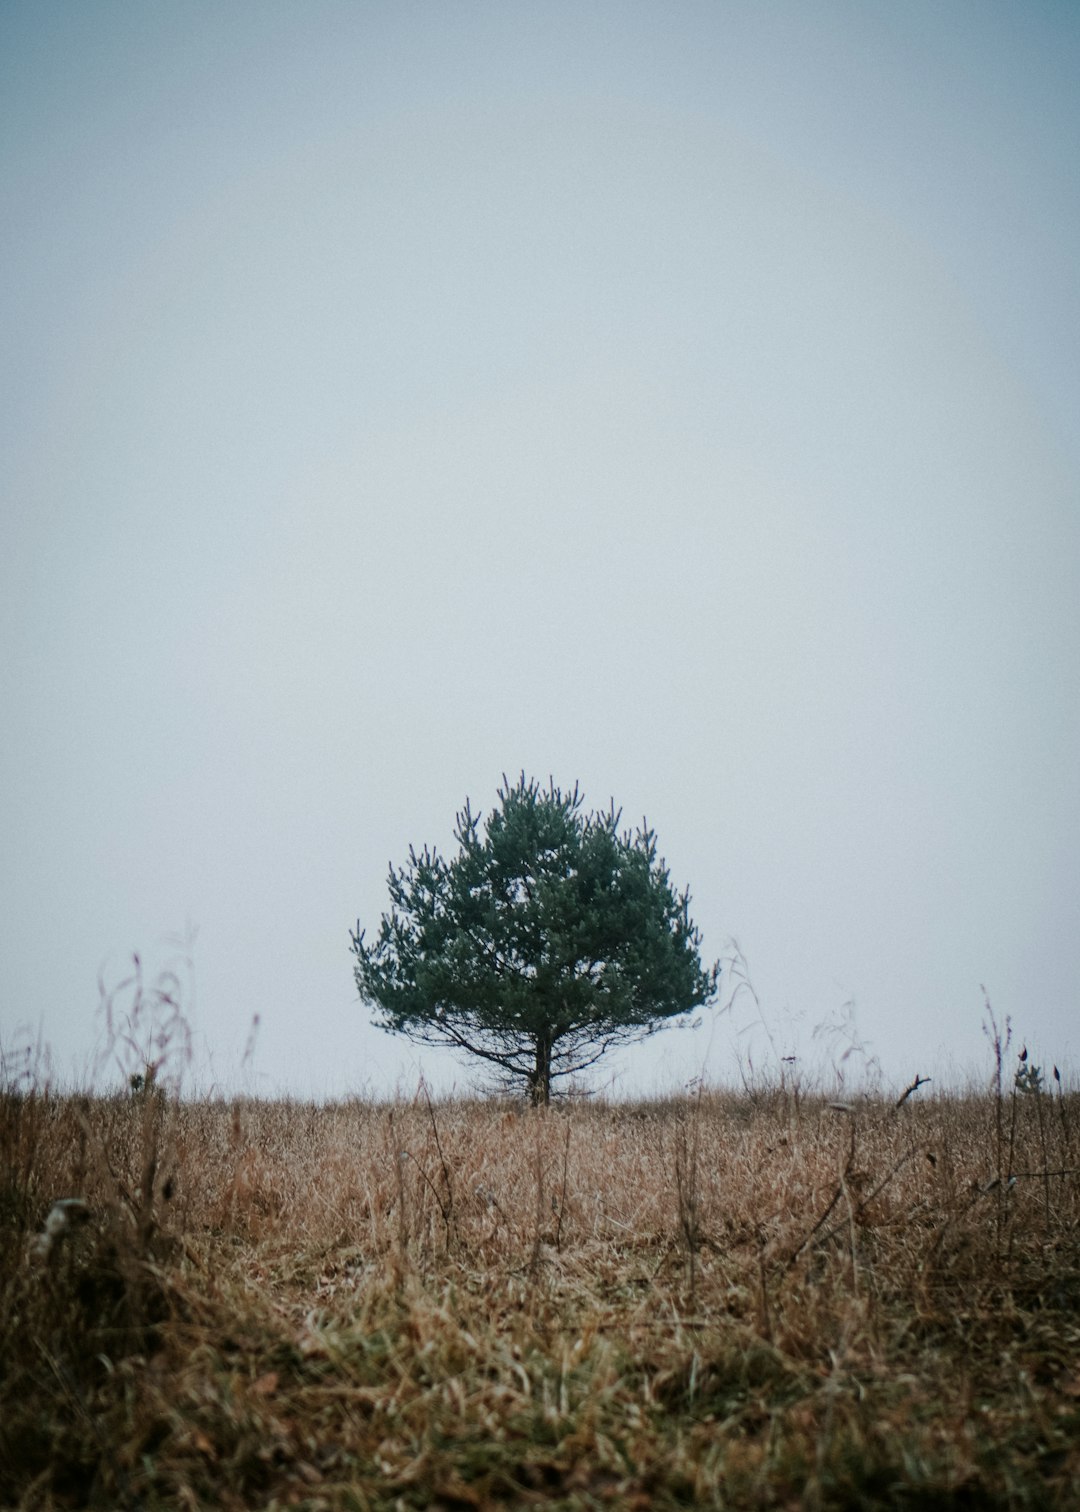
(729, 1300)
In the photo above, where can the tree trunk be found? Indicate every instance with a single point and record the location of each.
(540, 1077)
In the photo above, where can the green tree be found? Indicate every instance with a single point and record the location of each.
(549, 938)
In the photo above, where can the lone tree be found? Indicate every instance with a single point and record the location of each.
(550, 938)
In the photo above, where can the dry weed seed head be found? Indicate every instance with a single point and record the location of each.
(66, 1215)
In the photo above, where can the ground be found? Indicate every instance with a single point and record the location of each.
(763, 1300)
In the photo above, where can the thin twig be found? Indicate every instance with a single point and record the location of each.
(920, 1081)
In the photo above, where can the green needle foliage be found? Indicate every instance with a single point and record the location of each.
(550, 938)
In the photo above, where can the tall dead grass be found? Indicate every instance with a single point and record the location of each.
(775, 1302)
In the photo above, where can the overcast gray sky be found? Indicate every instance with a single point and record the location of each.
(680, 398)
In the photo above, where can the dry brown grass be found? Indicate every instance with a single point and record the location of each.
(711, 1302)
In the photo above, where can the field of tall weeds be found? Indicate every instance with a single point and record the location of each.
(763, 1299)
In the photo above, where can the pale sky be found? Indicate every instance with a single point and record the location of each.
(683, 399)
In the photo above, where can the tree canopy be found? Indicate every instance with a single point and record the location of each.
(550, 937)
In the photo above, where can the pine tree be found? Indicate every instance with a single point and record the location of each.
(550, 938)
